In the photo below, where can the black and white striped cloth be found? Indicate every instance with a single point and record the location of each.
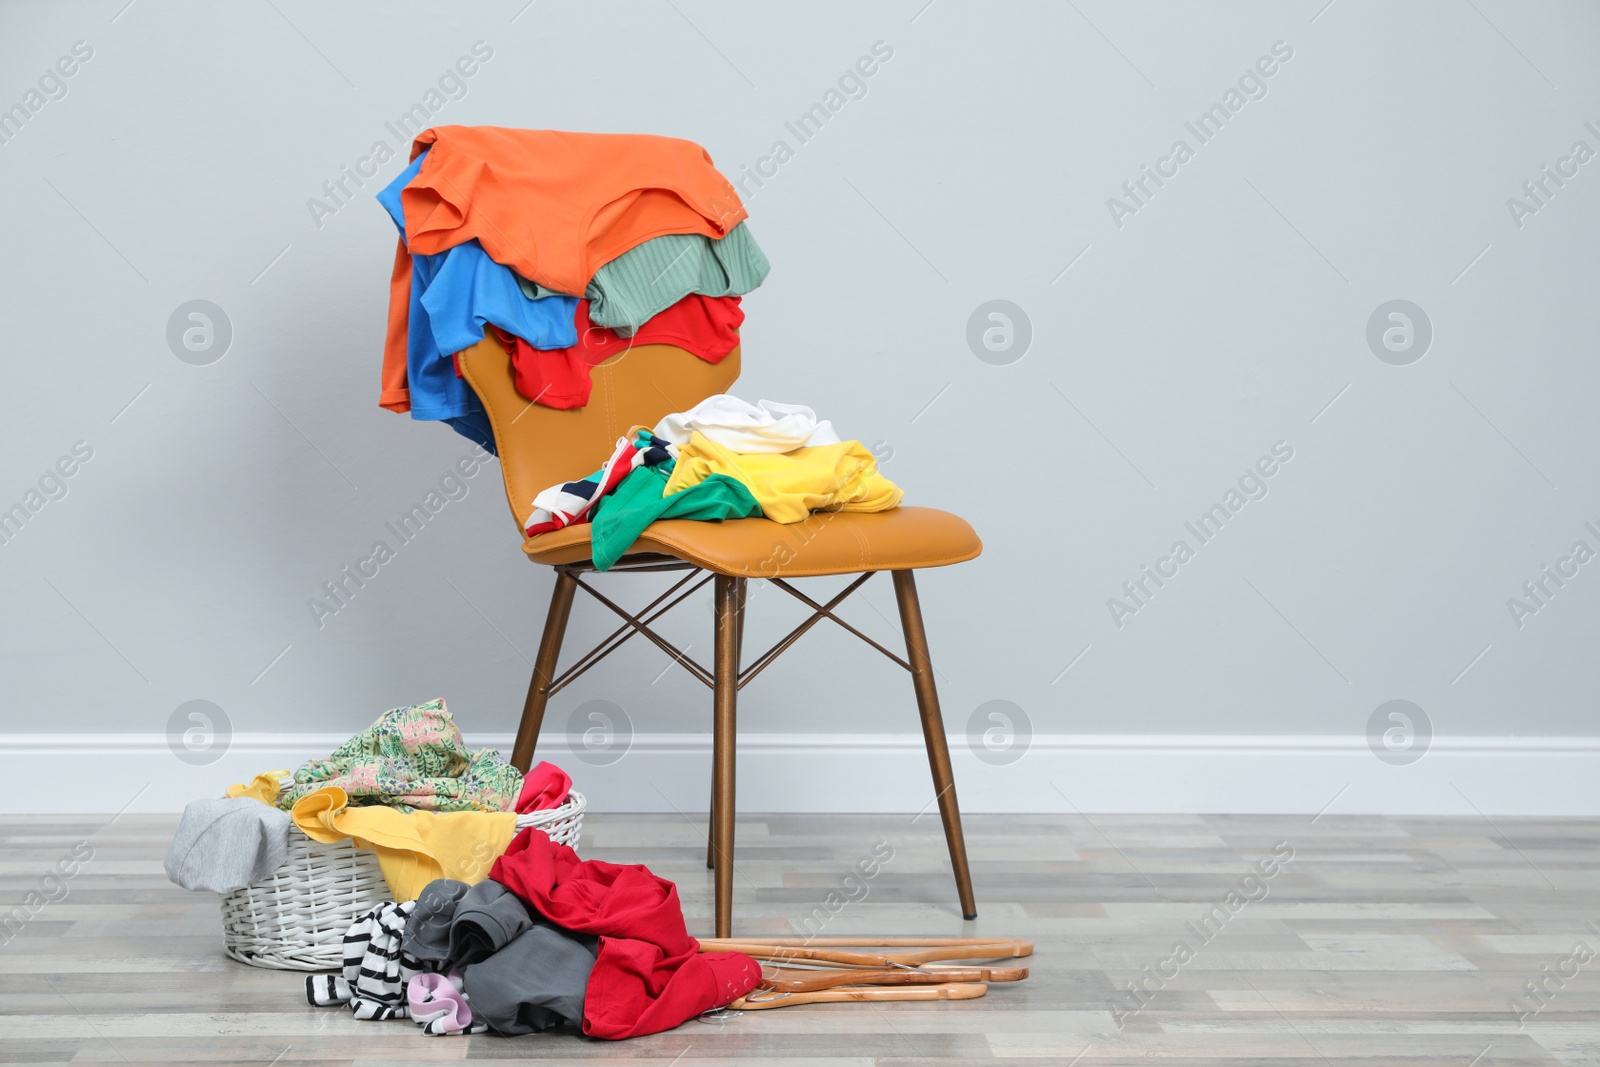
(376, 969)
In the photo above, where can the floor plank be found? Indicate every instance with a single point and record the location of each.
(1373, 941)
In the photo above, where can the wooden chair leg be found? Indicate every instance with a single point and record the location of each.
(544, 671)
(711, 827)
(905, 594)
(711, 823)
(729, 605)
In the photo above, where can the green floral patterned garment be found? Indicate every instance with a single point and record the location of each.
(413, 759)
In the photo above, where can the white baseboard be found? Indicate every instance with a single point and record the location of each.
(92, 773)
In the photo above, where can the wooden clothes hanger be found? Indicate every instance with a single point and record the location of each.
(807, 979)
(1025, 948)
(914, 973)
(953, 991)
(794, 950)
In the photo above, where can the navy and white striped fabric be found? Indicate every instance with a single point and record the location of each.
(570, 503)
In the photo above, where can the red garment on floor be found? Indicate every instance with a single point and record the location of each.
(650, 975)
(708, 326)
(543, 788)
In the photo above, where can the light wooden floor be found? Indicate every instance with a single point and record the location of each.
(1383, 941)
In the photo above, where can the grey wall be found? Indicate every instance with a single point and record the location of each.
(1171, 347)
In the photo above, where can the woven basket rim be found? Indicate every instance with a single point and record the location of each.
(295, 918)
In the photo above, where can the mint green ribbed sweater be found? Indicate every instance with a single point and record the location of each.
(651, 277)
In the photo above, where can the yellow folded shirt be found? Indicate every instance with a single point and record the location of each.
(263, 787)
(791, 485)
(415, 847)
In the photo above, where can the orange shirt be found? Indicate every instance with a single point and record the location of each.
(396, 394)
(552, 206)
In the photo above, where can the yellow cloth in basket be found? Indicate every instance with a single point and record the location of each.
(263, 787)
(413, 848)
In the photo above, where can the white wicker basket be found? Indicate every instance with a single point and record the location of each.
(295, 918)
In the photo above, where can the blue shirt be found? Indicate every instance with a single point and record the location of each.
(453, 295)
(470, 290)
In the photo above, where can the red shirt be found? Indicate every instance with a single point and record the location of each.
(708, 326)
(650, 974)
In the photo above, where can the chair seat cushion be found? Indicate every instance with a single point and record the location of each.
(827, 542)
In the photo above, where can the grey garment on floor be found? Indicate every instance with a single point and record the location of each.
(223, 845)
(427, 934)
(536, 982)
(488, 918)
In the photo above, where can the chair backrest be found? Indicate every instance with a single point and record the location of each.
(541, 446)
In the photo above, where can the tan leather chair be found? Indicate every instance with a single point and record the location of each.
(541, 446)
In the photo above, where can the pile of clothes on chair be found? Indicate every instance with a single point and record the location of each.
(546, 940)
(569, 248)
(722, 459)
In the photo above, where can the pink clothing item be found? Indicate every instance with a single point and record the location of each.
(544, 787)
(438, 1005)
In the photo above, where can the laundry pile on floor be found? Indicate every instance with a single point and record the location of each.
(406, 788)
(547, 940)
(721, 459)
(567, 247)
(489, 929)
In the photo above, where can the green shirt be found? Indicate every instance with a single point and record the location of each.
(649, 278)
(621, 516)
